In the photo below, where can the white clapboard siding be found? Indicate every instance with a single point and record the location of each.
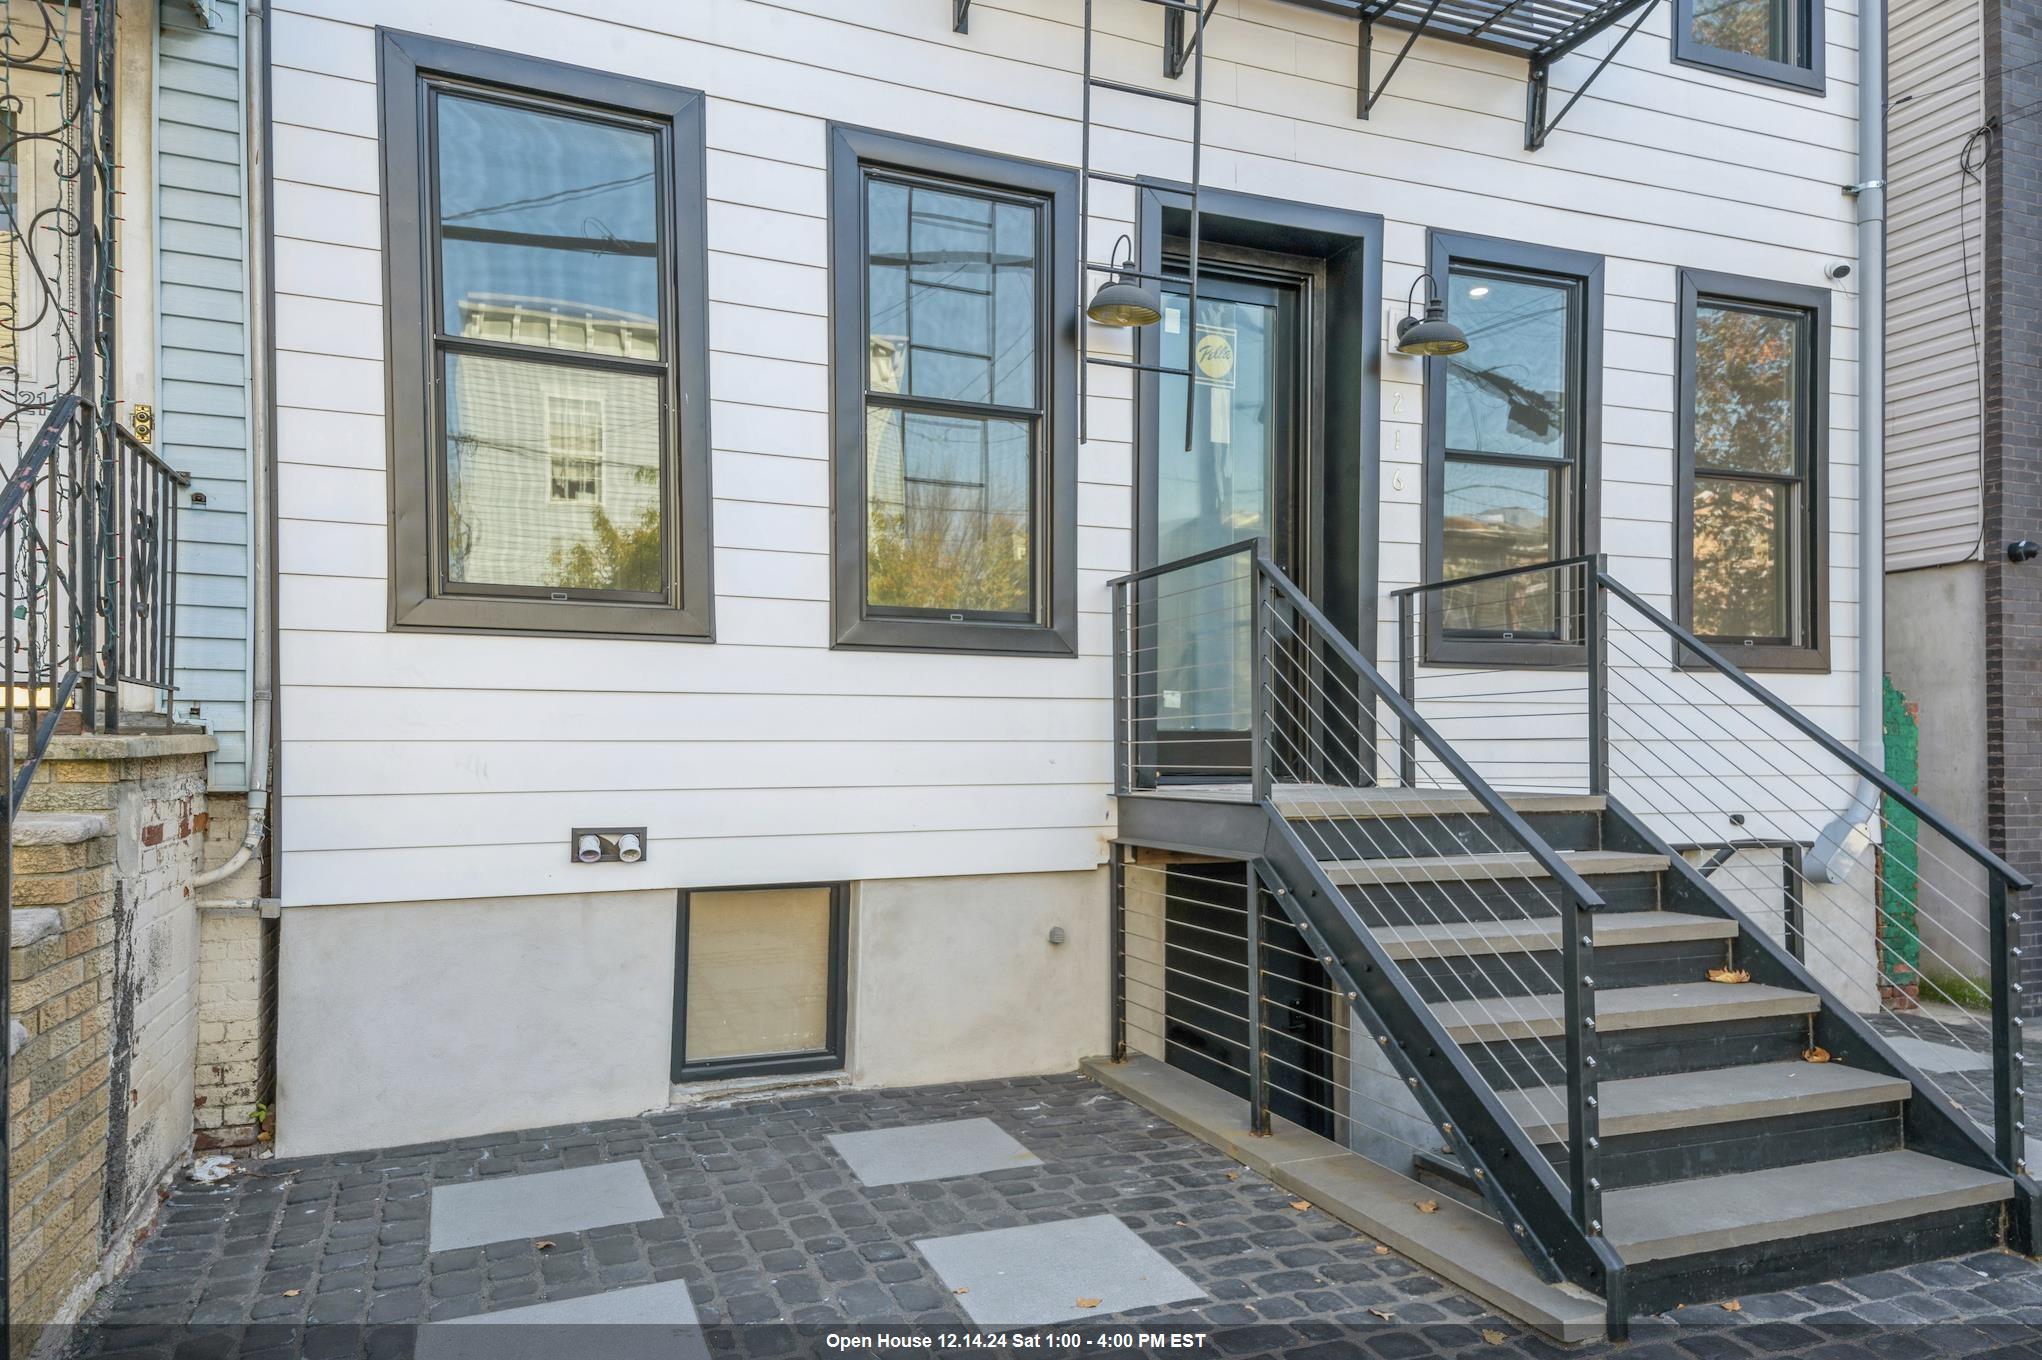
(425, 767)
(202, 347)
(1935, 238)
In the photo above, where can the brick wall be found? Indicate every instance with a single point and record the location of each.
(236, 996)
(2013, 445)
(63, 997)
(106, 973)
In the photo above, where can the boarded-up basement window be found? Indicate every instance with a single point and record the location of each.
(761, 973)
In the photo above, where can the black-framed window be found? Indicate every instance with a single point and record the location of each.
(1512, 433)
(548, 346)
(953, 369)
(759, 978)
(1779, 42)
(1752, 485)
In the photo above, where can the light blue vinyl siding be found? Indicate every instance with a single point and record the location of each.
(202, 361)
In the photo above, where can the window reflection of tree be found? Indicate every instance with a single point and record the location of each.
(1749, 418)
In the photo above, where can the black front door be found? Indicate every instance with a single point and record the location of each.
(1237, 479)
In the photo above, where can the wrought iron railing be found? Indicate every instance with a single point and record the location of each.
(88, 513)
(1812, 842)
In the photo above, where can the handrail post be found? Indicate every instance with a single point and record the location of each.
(1118, 983)
(1596, 622)
(1123, 747)
(1258, 1008)
(2009, 1116)
(1407, 686)
(1258, 698)
(1584, 1142)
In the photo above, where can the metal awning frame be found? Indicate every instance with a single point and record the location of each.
(1459, 21)
(1471, 28)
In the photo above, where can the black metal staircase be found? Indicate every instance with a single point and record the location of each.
(1644, 1086)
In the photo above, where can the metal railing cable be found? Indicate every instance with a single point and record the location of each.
(1444, 870)
(1694, 745)
(1307, 713)
(1847, 957)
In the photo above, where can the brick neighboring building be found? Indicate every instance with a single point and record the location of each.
(1964, 435)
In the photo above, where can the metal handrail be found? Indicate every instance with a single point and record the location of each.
(1455, 582)
(1864, 768)
(1492, 802)
(22, 480)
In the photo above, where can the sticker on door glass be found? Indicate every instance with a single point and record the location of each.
(1216, 354)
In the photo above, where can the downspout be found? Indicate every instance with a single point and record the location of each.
(1846, 837)
(254, 56)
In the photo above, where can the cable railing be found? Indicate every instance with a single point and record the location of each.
(1230, 685)
(1812, 843)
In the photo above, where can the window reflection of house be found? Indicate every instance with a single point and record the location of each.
(548, 464)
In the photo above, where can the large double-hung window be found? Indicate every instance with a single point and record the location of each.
(1512, 429)
(955, 418)
(547, 346)
(1752, 468)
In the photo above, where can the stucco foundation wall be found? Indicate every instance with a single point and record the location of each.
(954, 979)
(410, 1022)
(1935, 655)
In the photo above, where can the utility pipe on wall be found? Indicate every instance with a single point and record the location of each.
(254, 58)
(1840, 843)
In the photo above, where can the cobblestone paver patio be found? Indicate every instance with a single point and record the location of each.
(778, 1242)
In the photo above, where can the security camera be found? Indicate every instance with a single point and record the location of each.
(2023, 550)
(1836, 271)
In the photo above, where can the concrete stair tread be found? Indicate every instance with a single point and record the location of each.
(1502, 1018)
(1455, 939)
(1686, 1218)
(1474, 869)
(1717, 1096)
(1311, 802)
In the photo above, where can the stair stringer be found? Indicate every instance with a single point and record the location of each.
(1516, 1179)
(1931, 1123)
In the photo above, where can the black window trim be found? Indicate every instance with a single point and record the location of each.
(1811, 652)
(1054, 629)
(1807, 76)
(829, 1058)
(420, 598)
(1584, 502)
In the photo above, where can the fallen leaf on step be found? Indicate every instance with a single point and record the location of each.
(292, 1293)
(1728, 975)
(1382, 1251)
(1815, 1055)
(1088, 1303)
(962, 1289)
(1385, 1316)
(1234, 1175)
(1300, 1204)
(1732, 1306)
(1428, 1206)
(544, 1244)
(1492, 1336)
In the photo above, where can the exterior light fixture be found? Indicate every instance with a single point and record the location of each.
(1432, 335)
(1123, 300)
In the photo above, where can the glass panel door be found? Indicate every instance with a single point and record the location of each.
(1233, 483)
